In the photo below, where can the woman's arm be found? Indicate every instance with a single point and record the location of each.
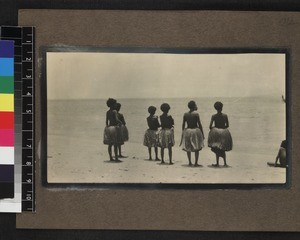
(123, 120)
(172, 121)
(157, 122)
(211, 122)
(116, 116)
(200, 125)
(183, 122)
(106, 120)
(226, 121)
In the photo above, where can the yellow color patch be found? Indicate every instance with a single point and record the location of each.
(6, 102)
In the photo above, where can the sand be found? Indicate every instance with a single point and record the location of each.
(85, 161)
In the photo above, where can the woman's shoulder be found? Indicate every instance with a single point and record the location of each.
(152, 117)
(224, 115)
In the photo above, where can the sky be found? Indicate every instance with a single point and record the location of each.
(98, 75)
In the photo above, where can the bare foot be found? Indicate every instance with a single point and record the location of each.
(196, 165)
(162, 162)
(121, 156)
(190, 164)
(215, 165)
(171, 163)
(157, 159)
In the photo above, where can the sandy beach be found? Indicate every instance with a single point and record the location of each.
(76, 153)
(71, 164)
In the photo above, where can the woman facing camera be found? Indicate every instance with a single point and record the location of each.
(219, 138)
(192, 136)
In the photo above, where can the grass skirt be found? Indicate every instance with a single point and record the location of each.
(166, 138)
(151, 138)
(192, 140)
(112, 135)
(124, 134)
(220, 139)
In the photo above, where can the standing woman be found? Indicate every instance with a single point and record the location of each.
(124, 136)
(192, 136)
(166, 134)
(111, 131)
(151, 134)
(219, 138)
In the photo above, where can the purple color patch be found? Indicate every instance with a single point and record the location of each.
(6, 49)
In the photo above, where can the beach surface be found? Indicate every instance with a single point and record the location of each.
(91, 165)
(76, 153)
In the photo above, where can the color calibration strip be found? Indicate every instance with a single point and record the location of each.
(23, 38)
(6, 119)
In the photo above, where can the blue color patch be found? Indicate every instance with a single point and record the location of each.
(6, 49)
(6, 66)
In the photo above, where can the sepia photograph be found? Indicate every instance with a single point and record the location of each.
(165, 117)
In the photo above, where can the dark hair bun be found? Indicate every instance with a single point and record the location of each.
(110, 102)
(165, 107)
(151, 109)
(218, 106)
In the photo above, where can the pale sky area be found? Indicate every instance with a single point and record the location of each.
(95, 75)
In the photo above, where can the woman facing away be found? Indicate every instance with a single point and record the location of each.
(151, 134)
(124, 136)
(166, 134)
(111, 131)
(219, 138)
(192, 139)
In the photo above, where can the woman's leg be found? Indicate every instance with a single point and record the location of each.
(224, 157)
(110, 152)
(156, 153)
(196, 158)
(162, 155)
(189, 158)
(217, 157)
(120, 151)
(170, 155)
(116, 152)
(149, 151)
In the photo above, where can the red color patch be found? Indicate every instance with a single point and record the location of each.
(6, 120)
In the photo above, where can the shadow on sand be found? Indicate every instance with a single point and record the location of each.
(218, 167)
(108, 161)
(192, 166)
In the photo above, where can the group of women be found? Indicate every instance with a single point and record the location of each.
(160, 132)
(115, 132)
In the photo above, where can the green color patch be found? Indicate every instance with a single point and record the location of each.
(6, 84)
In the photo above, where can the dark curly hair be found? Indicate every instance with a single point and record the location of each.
(165, 107)
(110, 102)
(218, 106)
(191, 105)
(151, 109)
